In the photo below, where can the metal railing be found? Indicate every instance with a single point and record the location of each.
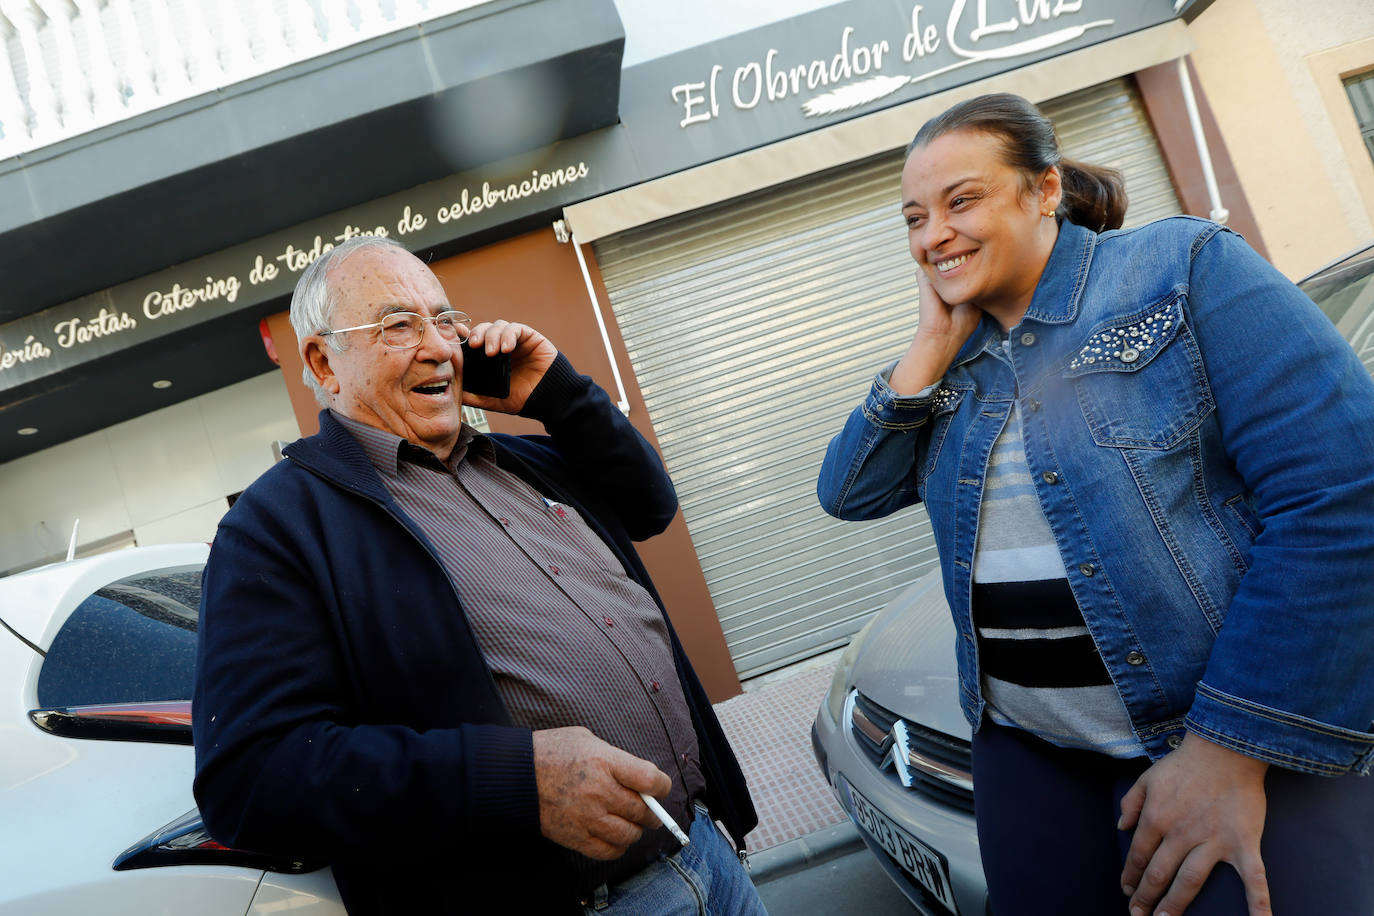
(70, 66)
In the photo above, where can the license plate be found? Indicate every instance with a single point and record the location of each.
(926, 866)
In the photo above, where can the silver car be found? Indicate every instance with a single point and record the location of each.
(894, 745)
(890, 736)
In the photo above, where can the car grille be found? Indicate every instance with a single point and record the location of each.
(939, 766)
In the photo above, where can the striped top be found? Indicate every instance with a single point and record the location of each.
(569, 637)
(1040, 667)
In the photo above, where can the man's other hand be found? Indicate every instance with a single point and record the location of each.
(589, 792)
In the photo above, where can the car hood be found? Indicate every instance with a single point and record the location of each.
(906, 662)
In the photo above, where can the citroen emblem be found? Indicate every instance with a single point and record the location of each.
(899, 753)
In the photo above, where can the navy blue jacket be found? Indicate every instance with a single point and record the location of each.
(343, 709)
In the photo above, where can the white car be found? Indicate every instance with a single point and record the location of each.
(97, 658)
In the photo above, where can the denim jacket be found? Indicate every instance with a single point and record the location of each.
(1201, 440)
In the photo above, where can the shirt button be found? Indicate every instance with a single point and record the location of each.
(1134, 658)
(504, 521)
(1087, 569)
(1175, 742)
(1051, 478)
(1033, 404)
(1027, 339)
(609, 621)
(655, 686)
(554, 570)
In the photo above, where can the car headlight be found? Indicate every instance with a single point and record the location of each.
(839, 683)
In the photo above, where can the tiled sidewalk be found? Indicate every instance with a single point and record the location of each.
(769, 726)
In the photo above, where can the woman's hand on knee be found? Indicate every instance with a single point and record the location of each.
(1198, 806)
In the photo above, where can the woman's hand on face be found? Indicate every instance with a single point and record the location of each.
(1198, 806)
(942, 330)
(938, 319)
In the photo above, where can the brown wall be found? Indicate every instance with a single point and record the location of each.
(1163, 96)
(303, 403)
(536, 280)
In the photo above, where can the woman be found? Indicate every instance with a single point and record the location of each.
(1149, 464)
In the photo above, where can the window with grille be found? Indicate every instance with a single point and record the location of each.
(1361, 91)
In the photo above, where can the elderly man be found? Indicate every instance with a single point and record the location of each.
(432, 658)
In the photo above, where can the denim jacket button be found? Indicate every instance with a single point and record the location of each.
(1175, 742)
(1134, 658)
(1052, 478)
(1087, 569)
(1027, 339)
(1033, 404)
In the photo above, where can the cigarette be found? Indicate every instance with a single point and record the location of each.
(662, 815)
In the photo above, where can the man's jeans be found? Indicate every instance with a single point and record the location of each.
(704, 877)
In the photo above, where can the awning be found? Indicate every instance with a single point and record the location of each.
(81, 217)
(396, 111)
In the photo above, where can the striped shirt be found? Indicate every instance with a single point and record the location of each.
(569, 637)
(1041, 669)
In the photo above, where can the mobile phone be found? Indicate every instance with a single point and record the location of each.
(485, 375)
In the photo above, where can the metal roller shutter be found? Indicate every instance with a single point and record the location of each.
(755, 327)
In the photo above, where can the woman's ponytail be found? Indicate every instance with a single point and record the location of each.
(1094, 196)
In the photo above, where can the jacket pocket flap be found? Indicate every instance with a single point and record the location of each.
(1129, 343)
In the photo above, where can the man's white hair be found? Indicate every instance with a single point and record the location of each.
(314, 301)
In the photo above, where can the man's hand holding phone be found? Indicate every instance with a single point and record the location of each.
(488, 376)
(508, 356)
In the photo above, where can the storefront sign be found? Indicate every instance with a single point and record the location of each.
(676, 112)
(247, 275)
(862, 72)
(843, 60)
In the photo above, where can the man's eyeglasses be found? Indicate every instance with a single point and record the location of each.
(403, 330)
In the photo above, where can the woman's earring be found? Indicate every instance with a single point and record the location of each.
(1050, 214)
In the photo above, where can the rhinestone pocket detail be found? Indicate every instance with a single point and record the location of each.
(1124, 345)
(944, 398)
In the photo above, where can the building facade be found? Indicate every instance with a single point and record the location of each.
(698, 205)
